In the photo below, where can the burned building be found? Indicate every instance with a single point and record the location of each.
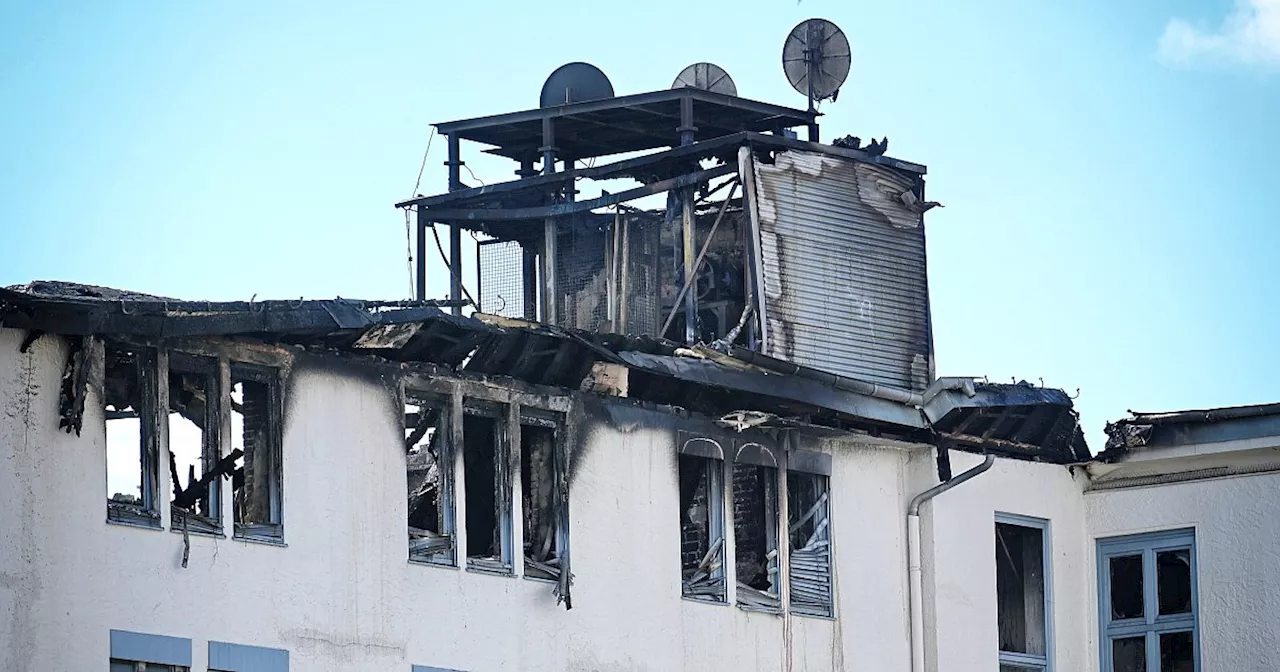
(676, 425)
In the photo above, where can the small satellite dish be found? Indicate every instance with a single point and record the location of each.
(816, 59)
(575, 83)
(708, 77)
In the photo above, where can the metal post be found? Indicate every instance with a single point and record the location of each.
(455, 230)
(530, 271)
(422, 253)
(690, 223)
(526, 168)
(549, 228)
(812, 57)
(691, 296)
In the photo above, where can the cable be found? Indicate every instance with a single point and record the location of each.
(423, 167)
(408, 241)
(447, 265)
(408, 248)
(473, 175)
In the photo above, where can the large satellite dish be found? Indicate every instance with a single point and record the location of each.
(816, 59)
(575, 83)
(708, 77)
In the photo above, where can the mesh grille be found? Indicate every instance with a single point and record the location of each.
(642, 236)
(581, 279)
(501, 264)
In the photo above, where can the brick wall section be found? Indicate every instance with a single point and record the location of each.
(748, 528)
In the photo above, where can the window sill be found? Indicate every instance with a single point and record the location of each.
(426, 562)
(705, 600)
(751, 608)
(196, 532)
(130, 518)
(812, 614)
(265, 541)
(489, 566)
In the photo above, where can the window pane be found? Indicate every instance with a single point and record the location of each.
(1176, 649)
(1020, 588)
(1126, 587)
(1173, 581)
(1012, 667)
(1129, 654)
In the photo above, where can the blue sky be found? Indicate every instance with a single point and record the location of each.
(1107, 168)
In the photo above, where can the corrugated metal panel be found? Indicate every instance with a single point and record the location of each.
(844, 268)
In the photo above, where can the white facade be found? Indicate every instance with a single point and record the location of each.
(341, 595)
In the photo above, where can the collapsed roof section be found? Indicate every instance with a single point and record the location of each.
(1142, 432)
(1034, 423)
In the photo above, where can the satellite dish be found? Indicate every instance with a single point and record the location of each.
(708, 77)
(575, 83)
(816, 59)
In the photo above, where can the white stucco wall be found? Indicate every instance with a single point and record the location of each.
(960, 571)
(1238, 558)
(341, 595)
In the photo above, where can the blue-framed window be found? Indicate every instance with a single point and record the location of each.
(1148, 607)
(136, 652)
(226, 657)
(1024, 602)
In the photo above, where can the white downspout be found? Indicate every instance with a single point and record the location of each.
(913, 558)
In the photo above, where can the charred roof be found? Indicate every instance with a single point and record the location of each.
(1018, 421)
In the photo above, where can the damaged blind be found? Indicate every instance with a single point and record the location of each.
(809, 532)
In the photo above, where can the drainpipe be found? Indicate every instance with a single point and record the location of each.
(913, 557)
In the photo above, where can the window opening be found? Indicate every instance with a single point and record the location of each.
(488, 490)
(755, 534)
(702, 526)
(194, 463)
(1148, 604)
(128, 407)
(429, 473)
(1021, 600)
(539, 441)
(255, 435)
(809, 534)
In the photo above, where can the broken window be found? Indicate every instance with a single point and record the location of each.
(194, 464)
(1149, 603)
(488, 487)
(755, 528)
(701, 474)
(256, 436)
(809, 536)
(543, 512)
(1020, 593)
(128, 406)
(429, 470)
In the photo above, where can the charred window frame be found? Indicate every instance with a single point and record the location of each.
(487, 487)
(809, 534)
(1023, 604)
(196, 504)
(756, 517)
(702, 518)
(429, 463)
(129, 398)
(544, 508)
(257, 480)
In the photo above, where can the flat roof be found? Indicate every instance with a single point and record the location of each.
(623, 124)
